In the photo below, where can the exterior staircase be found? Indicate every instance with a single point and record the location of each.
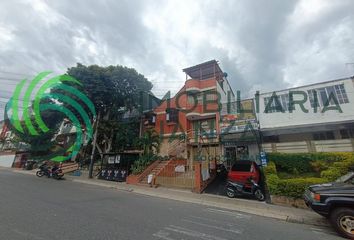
(176, 147)
(155, 171)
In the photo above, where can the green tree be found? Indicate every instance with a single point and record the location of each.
(113, 90)
(43, 144)
(149, 142)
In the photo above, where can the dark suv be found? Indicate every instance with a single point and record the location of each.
(335, 201)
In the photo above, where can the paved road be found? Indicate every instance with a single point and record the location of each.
(34, 208)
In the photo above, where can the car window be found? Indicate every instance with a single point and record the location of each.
(241, 167)
(346, 178)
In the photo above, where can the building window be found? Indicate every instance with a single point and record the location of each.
(172, 115)
(328, 96)
(150, 119)
(192, 99)
(347, 133)
(341, 94)
(210, 95)
(313, 98)
(279, 103)
(271, 139)
(285, 101)
(329, 135)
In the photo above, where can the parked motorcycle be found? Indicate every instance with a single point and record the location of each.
(221, 171)
(56, 172)
(234, 189)
(43, 171)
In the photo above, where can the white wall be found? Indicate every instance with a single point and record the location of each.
(298, 117)
(6, 160)
(340, 145)
(224, 95)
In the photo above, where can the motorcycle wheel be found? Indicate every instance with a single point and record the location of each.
(230, 193)
(259, 195)
(39, 173)
(58, 177)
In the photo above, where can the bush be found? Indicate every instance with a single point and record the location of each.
(270, 168)
(288, 162)
(140, 165)
(272, 182)
(331, 174)
(307, 162)
(294, 188)
(338, 169)
(319, 165)
(330, 165)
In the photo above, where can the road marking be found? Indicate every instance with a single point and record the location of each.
(163, 235)
(229, 213)
(212, 220)
(27, 234)
(192, 233)
(212, 226)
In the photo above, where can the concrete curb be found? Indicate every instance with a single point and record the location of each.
(259, 209)
(229, 206)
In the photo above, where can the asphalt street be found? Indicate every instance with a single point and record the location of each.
(33, 208)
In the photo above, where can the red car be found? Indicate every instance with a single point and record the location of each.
(242, 170)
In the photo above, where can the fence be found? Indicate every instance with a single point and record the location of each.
(177, 174)
(339, 145)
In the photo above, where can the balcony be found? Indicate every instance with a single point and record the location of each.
(203, 140)
(193, 85)
(208, 137)
(201, 112)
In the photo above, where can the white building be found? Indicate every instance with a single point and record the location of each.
(324, 122)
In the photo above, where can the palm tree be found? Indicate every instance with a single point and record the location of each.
(150, 142)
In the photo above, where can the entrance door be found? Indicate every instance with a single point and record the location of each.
(230, 153)
(242, 153)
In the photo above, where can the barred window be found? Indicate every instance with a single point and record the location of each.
(172, 115)
(341, 94)
(328, 96)
(285, 101)
(329, 135)
(313, 98)
(277, 103)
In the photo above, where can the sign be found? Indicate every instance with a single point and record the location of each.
(241, 119)
(117, 159)
(238, 126)
(111, 159)
(180, 169)
(263, 158)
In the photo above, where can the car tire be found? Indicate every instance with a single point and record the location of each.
(343, 221)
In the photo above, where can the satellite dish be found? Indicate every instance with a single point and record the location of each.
(225, 74)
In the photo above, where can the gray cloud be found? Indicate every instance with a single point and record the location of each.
(262, 45)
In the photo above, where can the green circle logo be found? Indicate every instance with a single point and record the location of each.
(23, 113)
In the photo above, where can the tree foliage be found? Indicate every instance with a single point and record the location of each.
(149, 142)
(44, 143)
(113, 90)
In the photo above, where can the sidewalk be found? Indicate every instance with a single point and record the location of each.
(288, 214)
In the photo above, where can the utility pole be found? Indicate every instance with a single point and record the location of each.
(94, 146)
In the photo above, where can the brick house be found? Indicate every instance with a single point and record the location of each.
(188, 123)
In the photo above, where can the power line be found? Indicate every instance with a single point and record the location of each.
(9, 79)
(19, 74)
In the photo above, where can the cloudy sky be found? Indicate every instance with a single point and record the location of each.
(262, 45)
